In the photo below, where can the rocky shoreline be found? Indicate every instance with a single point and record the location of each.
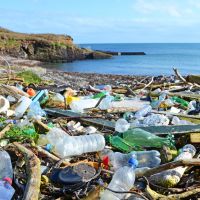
(44, 47)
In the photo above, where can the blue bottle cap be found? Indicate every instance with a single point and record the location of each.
(133, 162)
(49, 147)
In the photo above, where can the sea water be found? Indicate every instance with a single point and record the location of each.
(160, 58)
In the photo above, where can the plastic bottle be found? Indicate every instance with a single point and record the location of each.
(121, 125)
(6, 190)
(4, 104)
(106, 103)
(145, 158)
(180, 101)
(6, 175)
(24, 103)
(35, 111)
(156, 120)
(144, 111)
(177, 121)
(123, 180)
(6, 170)
(140, 137)
(171, 177)
(65, 145)
(79, 106)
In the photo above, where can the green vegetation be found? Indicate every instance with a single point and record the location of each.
(21, 134)
(29, 77)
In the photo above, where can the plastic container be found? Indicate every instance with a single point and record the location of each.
(123, 180)
(171, 177)
(6, 170)
(24, 103)
(35, 111)
(65, 145)
(145, 158)
(6, 191)
(144, 111)
(106, 103)
(177, 121)
(79, 106)
(121, 125)
(4, 104)
(156, 120)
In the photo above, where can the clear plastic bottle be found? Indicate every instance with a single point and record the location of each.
(65, 145)
(4, 104)
(145, 158)
(144, 111)
(171, 177)
(123, 180)
(177, 121)
(6, 170)
(24, 103)
(121, 125)
(6, 175)
(6, 190)
(80, 105)
(156, 120)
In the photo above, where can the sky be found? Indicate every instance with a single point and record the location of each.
(106, 21)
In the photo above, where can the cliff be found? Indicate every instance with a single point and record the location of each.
(44, 47)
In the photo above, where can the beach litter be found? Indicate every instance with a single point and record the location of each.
(136, 140)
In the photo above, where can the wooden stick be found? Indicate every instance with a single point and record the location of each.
(171, 165)
(3, 132)
(32, 189)
(180, 77)
(51, 156)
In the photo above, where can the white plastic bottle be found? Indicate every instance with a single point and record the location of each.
(171, 177)
(24, 103)
(121, 125)
(77, 145)
(123, 180)
(145, 158)
(6, 175)
(144, 111)
(65, 145)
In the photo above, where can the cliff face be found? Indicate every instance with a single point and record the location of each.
(44, 47)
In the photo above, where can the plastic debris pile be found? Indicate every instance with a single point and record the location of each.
(125, 141)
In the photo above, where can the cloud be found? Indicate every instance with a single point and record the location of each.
(155, 7)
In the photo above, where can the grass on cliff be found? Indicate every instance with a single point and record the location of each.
(29, 77)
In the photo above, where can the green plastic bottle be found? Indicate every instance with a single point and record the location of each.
(136, 139)
(180, 101)
(142, 138)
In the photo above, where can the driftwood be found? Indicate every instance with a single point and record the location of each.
(2, 132)
(156, 196)
(180, 77)
(171, 165)
(51, 156)
(32, 189)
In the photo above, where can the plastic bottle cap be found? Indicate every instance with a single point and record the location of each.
(49, 147)
(133, 162)
(31, 92)
(9, 180)
(105, 160)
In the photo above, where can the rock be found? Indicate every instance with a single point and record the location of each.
(44, 47)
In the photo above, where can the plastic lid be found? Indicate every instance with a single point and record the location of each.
(189, 148)
(105, 160)
(133, 162)
(9, 180)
